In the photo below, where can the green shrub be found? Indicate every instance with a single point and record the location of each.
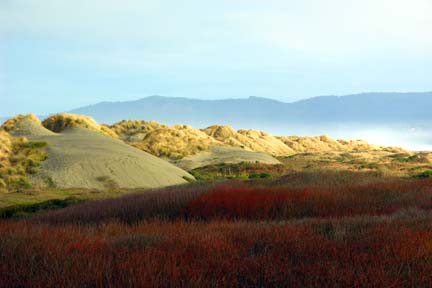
(49, 182)
(18, 211)
(290, 156)
(19, 183)
(189, 179)
(35, 144)
(259, 175)
(405, 159)
(25, 158)
(425, 174)
(369, 166)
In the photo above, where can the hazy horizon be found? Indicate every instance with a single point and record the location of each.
(66, 109)
(410, 134)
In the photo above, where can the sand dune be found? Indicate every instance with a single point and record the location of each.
(218, 154)
(181, 141)
(25, 125)
(82, 153)
(85, 158)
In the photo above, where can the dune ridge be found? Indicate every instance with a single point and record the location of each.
(180, 141)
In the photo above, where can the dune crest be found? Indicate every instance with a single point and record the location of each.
(62, 121)
(25, 125)
(181, 141)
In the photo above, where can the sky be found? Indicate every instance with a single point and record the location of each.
(57, 55)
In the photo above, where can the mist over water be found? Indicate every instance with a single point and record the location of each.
(416, 137)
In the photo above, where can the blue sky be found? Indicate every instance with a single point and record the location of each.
(57, 55)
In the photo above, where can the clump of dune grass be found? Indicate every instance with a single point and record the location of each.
(19, 158)
(165, 141)
(59, 122)
(11, 123)
(5, 145)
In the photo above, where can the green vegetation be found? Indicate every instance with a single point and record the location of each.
(406, 159)
(259, 175)
(35, 144)
(239, 171)
(23, 210)
(49, 182)
(425, 174)
(189, 179)
(290, 156)
(372, 166)
(24, 159)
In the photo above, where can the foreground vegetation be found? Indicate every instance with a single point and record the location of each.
(21, 160)
(360, 252)
(326, 229)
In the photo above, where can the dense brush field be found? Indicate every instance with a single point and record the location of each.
(335, 229)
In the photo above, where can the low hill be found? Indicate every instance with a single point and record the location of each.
(82, 156)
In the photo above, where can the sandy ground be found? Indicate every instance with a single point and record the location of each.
(218, 154)
(26, 127)
(86, 159)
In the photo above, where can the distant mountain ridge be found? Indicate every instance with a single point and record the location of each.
(363, 108)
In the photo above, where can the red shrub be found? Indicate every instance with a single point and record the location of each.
(218, 253)
(252, 202)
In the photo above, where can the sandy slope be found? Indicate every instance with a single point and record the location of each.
(219, 154)
(82, 158)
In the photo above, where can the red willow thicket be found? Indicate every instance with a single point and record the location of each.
(164, 203)
(242, 200)
(339, 253)
(358, 235)
(264, 203)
